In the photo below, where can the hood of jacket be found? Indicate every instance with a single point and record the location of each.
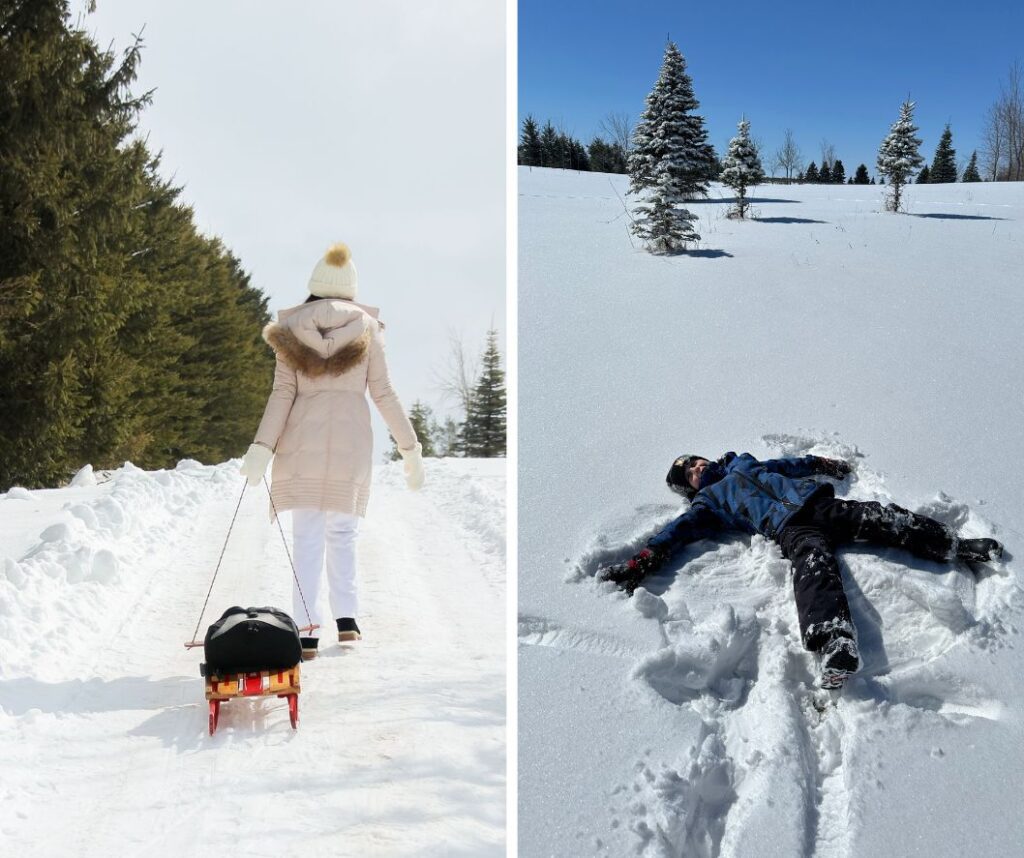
(326, 337)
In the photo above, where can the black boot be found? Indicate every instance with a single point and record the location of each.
(348, 631)
(982, 550)
(839, 658)
(309, 648)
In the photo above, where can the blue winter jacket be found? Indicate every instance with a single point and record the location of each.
(752, 496)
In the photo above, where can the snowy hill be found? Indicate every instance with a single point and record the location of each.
(103, 725)
(678, 722)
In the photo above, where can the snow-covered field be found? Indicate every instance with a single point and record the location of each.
(104, 747)
(678, 722)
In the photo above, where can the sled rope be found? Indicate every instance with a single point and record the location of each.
(286, 551)
(312, 626)
(219, 560)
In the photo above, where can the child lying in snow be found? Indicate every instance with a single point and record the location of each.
(805, 518)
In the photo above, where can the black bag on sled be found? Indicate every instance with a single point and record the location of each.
(245, 640)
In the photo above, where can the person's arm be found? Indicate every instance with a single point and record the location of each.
(275, 415)
(279, 406)
(698, 522)
(806, 466)
(384, 397)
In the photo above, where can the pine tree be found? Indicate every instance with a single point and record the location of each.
(483, 433)
(550, 148)
(606, 157)
(924, 176)
(741, 167)
(447, 438)
(422, 419)
(971, 174)
(811, 177)
(944, 163)
(861, 176)
(123, 332)
(838, 173)
(825, 175)
(898, 156)
(671, 158)
(530, 150)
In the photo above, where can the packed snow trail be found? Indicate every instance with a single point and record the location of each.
(400, 748)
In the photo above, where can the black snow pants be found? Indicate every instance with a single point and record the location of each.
(810, 537)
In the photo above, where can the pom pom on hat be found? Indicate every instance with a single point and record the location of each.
(337, 255)
(335, 275)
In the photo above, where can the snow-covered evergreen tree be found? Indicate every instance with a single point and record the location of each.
(971, 174)
(741, 167)
(898, 156)
(944, 163)
(671, 159)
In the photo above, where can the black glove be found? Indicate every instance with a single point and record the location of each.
(630, 574)
(835, 468)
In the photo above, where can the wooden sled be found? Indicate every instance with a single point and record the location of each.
(280, 683)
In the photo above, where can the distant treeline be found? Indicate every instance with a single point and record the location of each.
(124, 332)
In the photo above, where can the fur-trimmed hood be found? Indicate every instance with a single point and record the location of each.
(327, 337)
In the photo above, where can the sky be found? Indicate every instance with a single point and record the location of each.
(835, 73)
(378, 124)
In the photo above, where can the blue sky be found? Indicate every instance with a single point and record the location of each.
(828, 72)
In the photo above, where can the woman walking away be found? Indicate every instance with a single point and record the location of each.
(317, 428)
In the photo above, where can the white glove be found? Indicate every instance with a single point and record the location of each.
(254, 466)
(413, 466)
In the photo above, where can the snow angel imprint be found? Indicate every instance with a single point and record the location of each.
(316, 426)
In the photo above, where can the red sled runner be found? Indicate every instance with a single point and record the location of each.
(281, 683)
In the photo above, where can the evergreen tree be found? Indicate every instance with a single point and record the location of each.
(849, 181)
(861, 176)
(576, 154)
(550, 147)
(811, 177)
(872, 180)
(971, 174)
(447, 438)
(606, 157)
(898, 156)
(944, 163)
(483, 433)
(123, 332)
(741, 167)
(671, 159)
(924, 176)
(838, 173)
(422, 419)
(531, 153)
(800, 177)
(825, 175)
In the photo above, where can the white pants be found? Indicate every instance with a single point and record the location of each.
(314, 534)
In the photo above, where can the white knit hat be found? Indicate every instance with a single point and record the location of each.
(335, 275)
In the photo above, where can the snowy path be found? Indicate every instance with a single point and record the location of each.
(400, 748)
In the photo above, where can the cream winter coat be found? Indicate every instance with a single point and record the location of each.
(317, 420)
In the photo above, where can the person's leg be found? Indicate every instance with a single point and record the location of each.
(870, 521)
(817, 585)
(308, 555)
(342, 531)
